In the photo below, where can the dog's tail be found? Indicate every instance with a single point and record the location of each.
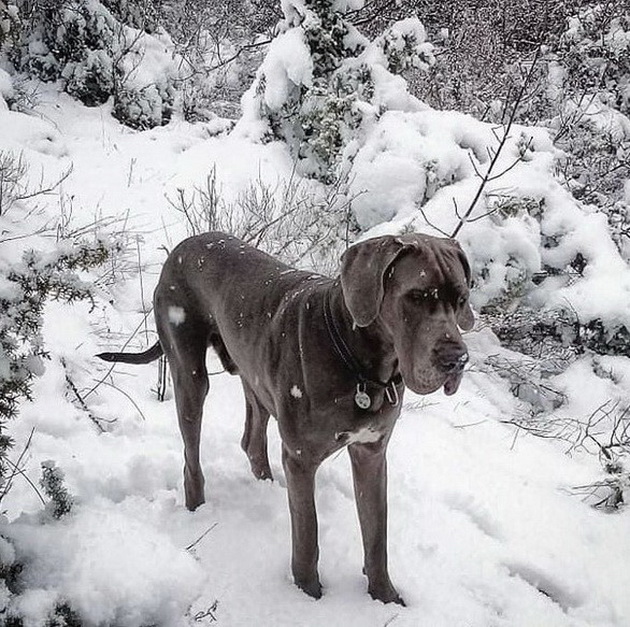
(149, 355)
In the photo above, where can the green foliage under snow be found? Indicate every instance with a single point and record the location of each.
(319, 85)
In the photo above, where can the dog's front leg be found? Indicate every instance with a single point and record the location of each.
(300, 475)
(369, 471)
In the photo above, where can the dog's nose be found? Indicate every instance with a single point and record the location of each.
(452, 359)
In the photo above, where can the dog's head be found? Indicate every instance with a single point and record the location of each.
(416, 287)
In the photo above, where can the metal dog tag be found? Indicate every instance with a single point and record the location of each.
(392, 394)
(361, 397)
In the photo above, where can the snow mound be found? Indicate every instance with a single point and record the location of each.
(111, 567)
(420, 170)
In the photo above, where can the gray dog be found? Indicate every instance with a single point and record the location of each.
(329, 358)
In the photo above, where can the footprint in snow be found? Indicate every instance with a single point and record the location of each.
(545, 584)
(476, 513)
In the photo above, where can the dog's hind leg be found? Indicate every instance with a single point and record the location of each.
(185, 343)
(254, 440)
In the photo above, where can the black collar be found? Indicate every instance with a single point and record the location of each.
(351, 362)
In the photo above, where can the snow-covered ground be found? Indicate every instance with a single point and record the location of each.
(485, 529)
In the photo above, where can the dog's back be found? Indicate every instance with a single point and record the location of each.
(216, 290)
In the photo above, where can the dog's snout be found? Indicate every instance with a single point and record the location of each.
(452, 359)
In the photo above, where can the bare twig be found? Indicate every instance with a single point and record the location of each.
(17, 470)
(433, 226)
(125, 394)
(207, 614)
(488, 176)
(111, 368)
(140, 275)
(80, 400)
(42, 191)
(201, 537)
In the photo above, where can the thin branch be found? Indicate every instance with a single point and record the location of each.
(140, 275)
(80, 400)
(239, 52)
(19, 471)
(482, 216)
(456, 209)
(474, 165)
(202, 536)
(503, 141)
(126, 395)
(111, 368)
(433, 226)
(513, 164)
(42, 191)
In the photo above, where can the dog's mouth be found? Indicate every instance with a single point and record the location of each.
(449, 382)
(428, 380)
(451, 385)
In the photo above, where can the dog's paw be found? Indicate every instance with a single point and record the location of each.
(262, 471)
(386, 594)
(312, 587)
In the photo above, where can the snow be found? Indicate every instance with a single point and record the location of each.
(348, 5)
(287, 65)
(176, 315)
(433, 159)
(6, 88)
(485, 528)
(129, 572)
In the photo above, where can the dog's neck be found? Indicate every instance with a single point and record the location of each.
(370, 347)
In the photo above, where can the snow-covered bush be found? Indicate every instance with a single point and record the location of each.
(14, 563)
(28, 277)
(99, 565)
(66, 562)
(120, 49)
(52, 482)
(543, 267)
(572, 62)
(533, 246)
(37, 264)
(322, 83)
(26, 285)
(146, 15)
(95, 56)
(595, 52)
(9, 24)
(592, 66)
(143, 107)
(598, 160)
(597, 166)
(221, 45)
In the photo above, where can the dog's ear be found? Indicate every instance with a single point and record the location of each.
(363, 268)
(465, 316)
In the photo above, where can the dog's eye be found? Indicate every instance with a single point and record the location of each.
(429, 295)
(417, 296)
